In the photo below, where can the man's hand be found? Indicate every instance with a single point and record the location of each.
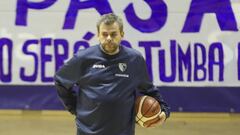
(162, 118)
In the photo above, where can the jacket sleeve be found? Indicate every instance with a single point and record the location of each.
(65, 78)
(146, 86)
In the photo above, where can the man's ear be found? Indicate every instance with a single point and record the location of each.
(98, 35)
(122, 34)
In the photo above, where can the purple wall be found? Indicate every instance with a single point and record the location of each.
(186, 99)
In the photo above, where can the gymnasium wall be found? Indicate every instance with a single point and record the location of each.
(191, 47)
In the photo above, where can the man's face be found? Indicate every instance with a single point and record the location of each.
(110, 37)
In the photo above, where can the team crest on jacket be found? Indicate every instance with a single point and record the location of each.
(122, 66)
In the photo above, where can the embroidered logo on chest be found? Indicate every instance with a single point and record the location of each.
(122, 66)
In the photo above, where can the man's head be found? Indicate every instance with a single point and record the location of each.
(110, 32)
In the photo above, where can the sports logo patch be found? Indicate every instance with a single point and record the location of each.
(122, 66)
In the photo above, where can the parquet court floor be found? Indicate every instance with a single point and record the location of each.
(17, 122)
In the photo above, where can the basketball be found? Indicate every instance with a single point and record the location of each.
(147, 111)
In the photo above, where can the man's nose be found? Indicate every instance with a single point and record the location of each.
(109, 38)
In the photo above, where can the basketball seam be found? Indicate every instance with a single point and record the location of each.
(146, 111)
(139, 109)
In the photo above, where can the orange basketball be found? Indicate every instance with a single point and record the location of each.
(147, 111)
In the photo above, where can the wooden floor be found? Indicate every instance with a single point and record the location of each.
(16, 122)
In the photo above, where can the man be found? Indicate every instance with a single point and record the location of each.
(108, 76)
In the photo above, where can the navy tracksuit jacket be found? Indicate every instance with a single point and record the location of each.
(104, 104)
